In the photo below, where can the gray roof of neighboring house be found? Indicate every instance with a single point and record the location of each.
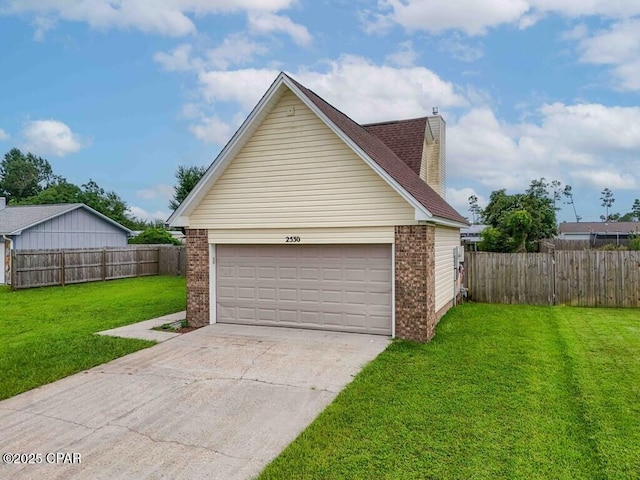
(599, 227)
(16, 218)
(474, 229)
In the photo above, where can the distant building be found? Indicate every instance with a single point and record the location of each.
(470, 236)
(598, 233)
(58, 226)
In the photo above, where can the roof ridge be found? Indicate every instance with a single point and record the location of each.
(389, 122)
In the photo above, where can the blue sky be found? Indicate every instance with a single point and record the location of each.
(124, 91)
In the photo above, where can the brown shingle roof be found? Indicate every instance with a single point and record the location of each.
(384, 156)
(404, 137)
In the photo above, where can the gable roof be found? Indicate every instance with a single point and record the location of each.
(402, 178)
(16, 218)
(599, 227)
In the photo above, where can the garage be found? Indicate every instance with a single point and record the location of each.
(331, 287)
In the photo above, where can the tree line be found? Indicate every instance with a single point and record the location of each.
(517, 222)
(28, 179)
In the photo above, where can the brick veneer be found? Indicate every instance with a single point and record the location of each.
(415, 282)
(197, 277)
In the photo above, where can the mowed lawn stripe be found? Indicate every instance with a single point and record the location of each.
(49, 333)
(604, 348)
(501, 392)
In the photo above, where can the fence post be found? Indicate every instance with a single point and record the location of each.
(104, 264)
(554, 269)
(62, 268)
(14, 266)
(137, 262)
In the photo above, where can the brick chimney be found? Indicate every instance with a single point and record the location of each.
(3, 202)
(433, 168)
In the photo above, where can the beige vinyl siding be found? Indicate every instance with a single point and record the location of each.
(433, 168)
(295, 172)
(446, 240)
(347, 235)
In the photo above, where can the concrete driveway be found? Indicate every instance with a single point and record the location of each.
(219, 402)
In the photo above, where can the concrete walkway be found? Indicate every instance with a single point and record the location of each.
(218, 402)
(143, 330)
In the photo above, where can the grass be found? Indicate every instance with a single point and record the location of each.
(48, 333)
(514, 392)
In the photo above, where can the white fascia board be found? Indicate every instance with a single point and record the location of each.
(368, 160)
(444, 222)
(215, 170)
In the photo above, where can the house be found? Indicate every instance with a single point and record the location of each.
(598, 233)
(59, 226)
(308, 219)
(471, 235)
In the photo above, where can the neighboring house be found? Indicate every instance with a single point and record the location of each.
(308, 219)
(59, 226)
(471, 235)
(598, 233)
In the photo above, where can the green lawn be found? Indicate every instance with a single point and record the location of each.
(48, 333)
(501, 392)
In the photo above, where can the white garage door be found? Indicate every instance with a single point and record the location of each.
(332, 287)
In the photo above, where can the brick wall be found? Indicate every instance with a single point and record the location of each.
(197, 277)
(415, 282)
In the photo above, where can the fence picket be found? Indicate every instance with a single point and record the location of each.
(38, 268)
(587, 278)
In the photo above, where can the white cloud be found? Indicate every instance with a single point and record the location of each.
(4, 136)
(161, 191)
(475, 17)
(405, 56)
(361, 89)
(212, 130)
(607, 178)
(236, 49)
(584, 144)
(461, 50)
(618, 47)
(165, 17)
(244, 86)
(436, 16)
(145, 215)
(51, 137)
(266, 22)
(177, 60)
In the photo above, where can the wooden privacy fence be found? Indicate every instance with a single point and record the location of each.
(587, 278)
(41, 268)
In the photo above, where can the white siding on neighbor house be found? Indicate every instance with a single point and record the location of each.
(2, 262)
(446, 240)
(295, 172)
(75, 229)
(347, 235)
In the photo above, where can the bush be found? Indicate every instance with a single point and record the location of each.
(155, 236)
(611, 247)
(634, 241)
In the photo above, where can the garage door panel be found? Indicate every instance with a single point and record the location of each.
(334, 287)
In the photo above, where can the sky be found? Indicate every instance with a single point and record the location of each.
(125, 91)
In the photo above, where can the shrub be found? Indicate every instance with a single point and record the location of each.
(155, 235)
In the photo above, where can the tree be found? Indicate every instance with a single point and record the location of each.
(155, 235)
(91, 194)
(568, 193)
(518, 221)
(607, 202)
(187, 178)
(635, 210)
(22, 176)
(474, 208)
